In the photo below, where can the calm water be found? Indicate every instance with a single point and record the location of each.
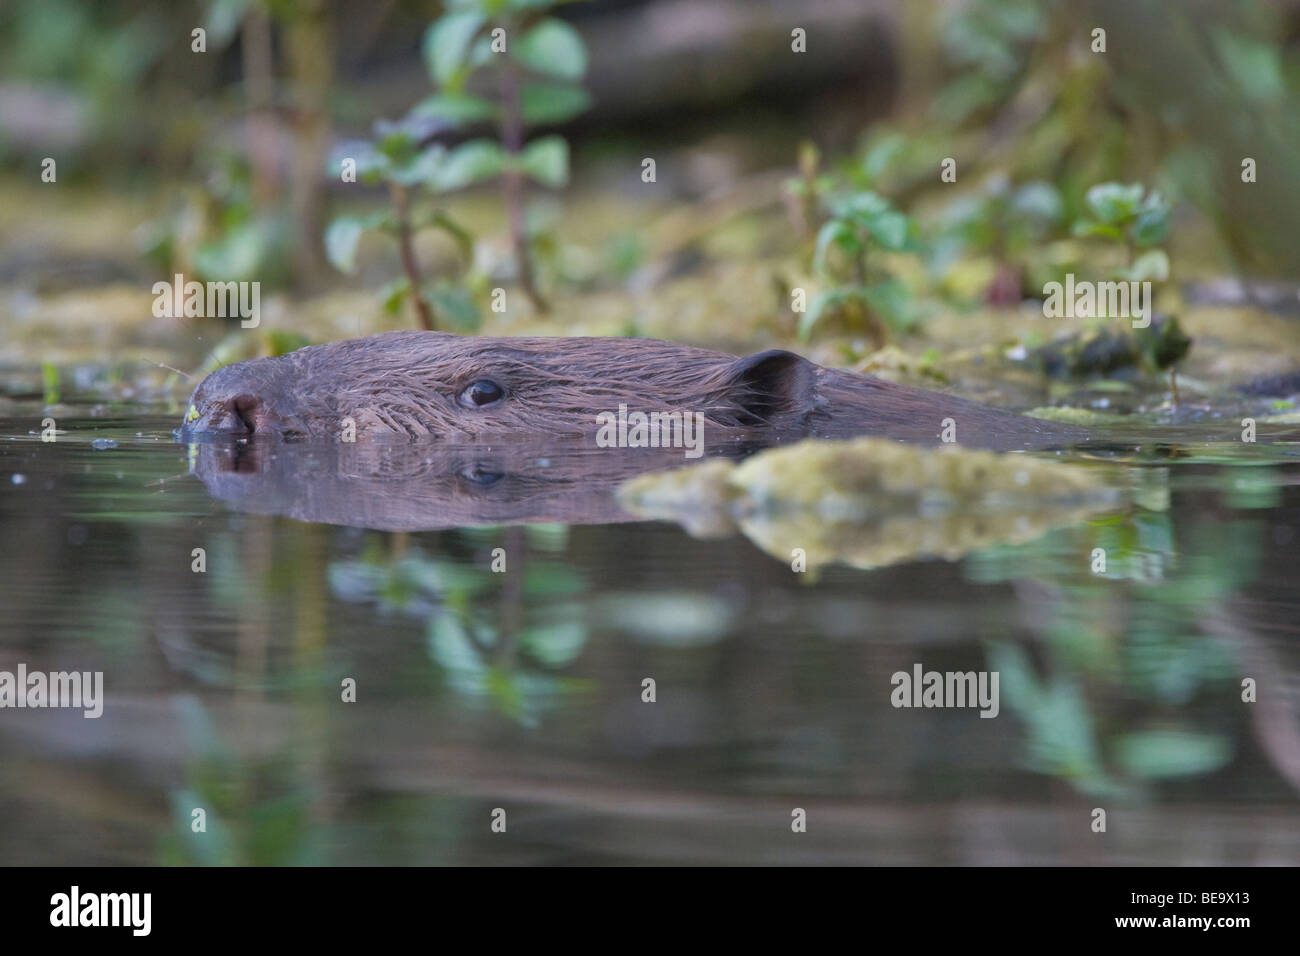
(522, 690)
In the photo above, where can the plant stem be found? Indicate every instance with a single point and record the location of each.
(404, 244)
(309, 52)
(512, 182)
(259, 82)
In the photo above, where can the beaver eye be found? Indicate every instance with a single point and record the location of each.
(480, 393)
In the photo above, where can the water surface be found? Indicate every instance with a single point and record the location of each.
(523, 690)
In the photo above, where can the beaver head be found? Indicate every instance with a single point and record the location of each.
(417, 385)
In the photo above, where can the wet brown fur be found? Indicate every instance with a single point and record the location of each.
(404, 385)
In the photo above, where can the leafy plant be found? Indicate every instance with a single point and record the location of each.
(1007, 223)
(1135, 218)
(990, 44)
(861, 223)
(533, 62)
(414, 175)
(220, 231)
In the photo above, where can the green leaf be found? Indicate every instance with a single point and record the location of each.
(556, 644)
(452, 647)
(371, 163)
(1152, 224)
(1152, 265)
(240, 253)
(859, 206)
(470, 163)
(341, 240)
(283, 341)
(840, 233)
(446, 45)
(1255, 67)
(1039, 202)
(396, 142)
(464, 239)
(420, 169)
(552, 102)
(553, 47)
(1114, 203)
(224, 18)
(50, 382)
(456, 108)
(825, 303)
(1171, 753)
(883, 154)
(891, 229)
(892, 301)
(552, 579)
(521, 6)
(1087, 227)
(480, 53)
(546, 160)
(393, 296)
(454, 303)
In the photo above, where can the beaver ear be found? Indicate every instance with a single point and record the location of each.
(771, 386)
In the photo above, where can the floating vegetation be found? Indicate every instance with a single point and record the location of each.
(870, 502)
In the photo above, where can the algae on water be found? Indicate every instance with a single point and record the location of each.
(872, 502)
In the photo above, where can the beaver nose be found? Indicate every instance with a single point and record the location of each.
(249, 411)
(241, 417)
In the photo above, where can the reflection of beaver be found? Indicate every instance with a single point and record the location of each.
(420, 385)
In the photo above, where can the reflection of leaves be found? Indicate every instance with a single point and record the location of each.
(414, 584)
(558, 643)
(1164, 661)
(455, 652)
(1248, 488)
(275, 831)
(1170, 753)
(551, 579)
(1062, 741)
(216, 847)
(668, 618)
(520, 693)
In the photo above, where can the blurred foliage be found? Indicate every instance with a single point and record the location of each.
(220, 232)
(1125, 215)
(509, 658)
(1136, 655)
(256, 812)
(536, 62)
(856, 225)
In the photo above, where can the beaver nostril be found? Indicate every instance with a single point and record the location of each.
(247, 409)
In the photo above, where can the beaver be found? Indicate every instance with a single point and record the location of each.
(417, 385)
